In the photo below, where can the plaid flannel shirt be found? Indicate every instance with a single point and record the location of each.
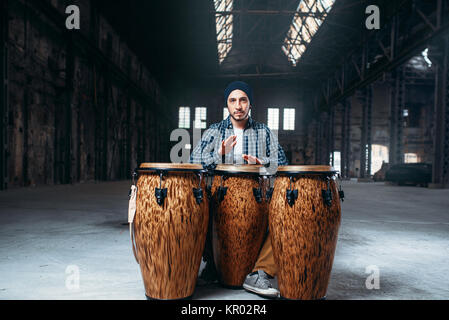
(258, 141)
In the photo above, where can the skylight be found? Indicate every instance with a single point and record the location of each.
(224, 26)
(421, 62)
(310, 16)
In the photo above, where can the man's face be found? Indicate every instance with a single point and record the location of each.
(238, 105)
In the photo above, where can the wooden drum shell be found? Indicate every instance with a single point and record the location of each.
(170, 238)
(239, 227)
(304, 236)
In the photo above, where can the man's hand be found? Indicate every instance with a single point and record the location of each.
(227, 145)
(251, 159)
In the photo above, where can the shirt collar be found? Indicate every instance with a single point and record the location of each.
(249, 124)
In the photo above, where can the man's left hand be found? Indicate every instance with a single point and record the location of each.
(251, 159)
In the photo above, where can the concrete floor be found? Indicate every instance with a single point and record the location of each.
(402, 231)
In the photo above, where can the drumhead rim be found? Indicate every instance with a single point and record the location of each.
(171, 167)
(242, 169)
(306, 169)
(307, 172)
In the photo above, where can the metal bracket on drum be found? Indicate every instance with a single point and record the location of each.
(269, 193)
(209, 179)
(269, 190)
(160, 193)
(221, 192)
(198, 192)
(327, 194)
(257, 194)
(292, 195)
(341, 193)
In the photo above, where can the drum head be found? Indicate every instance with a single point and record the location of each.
(245, 169)
(286, 170)
(180, 167)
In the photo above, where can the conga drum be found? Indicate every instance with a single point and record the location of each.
(240, 220)
(170, 226)
(304, 218)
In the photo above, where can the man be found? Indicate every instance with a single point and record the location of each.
(239, 139)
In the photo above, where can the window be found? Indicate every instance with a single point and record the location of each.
(289, 119)
(224, 27)
(411, 158)
(379, 155)
(200, 118)
(304, 26)
(184, 117)
(336, 159)
(273, 118)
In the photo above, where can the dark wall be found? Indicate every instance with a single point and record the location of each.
(82, 105)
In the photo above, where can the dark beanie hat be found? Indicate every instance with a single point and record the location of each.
(238, 85)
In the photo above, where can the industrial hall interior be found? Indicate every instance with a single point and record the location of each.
(138, 141)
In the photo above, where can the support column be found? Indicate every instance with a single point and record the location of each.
(440, 174)
(68, 147)
(345, 138)
(4, 94)
(105, 124)
(318, 141)
(331, 139)
(396, 116)
(325, 138)
(366, 141)
(128, 142)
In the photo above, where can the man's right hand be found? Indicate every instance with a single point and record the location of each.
(227, 145)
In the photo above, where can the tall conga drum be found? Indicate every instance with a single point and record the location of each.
(304, 218)
(170, 226)
(240, 220)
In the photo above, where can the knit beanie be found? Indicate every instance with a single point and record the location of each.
(238, 85)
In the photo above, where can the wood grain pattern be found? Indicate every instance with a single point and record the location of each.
(239, 225)
(304, 237)
(170, 238)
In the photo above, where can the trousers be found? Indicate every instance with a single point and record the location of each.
(265, 261)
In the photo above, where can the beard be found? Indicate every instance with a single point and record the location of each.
(241, 119)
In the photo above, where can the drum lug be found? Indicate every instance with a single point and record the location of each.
(341, 194)
(221, 193)
(258, 194)
(269, 194)
(160, 194)
(327, 197)
(292, 195)
(327, 194)
(198, 193)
